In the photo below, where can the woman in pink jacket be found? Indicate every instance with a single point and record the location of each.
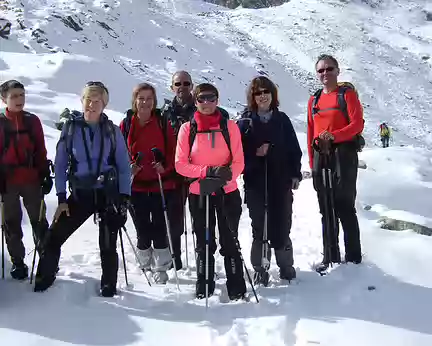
(209, 149)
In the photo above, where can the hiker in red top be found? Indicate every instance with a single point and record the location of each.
(335, 121)
(24, 172)
(146, 134)
(210, 152)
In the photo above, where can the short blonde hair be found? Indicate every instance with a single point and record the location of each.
(95, 89)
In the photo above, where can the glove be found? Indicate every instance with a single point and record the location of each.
(295, 182)
(119, 217)
(221, 172)
(47, 185)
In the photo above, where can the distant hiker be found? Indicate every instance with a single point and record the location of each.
(385, 135)
(272, 170)
(335, 121)
(144, 130)
(91, 157)
(24, 172)
(209, 151)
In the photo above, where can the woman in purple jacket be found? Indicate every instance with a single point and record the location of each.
(92, 157)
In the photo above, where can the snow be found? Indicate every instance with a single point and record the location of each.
(383, 301)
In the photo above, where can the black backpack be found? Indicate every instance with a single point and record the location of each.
(343, 87)
(77, 122)
(223, 129)
(10, 135)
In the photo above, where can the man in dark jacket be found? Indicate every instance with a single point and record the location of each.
(23, 173)
(272, 170)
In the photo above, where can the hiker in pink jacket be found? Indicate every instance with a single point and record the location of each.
(209, 149)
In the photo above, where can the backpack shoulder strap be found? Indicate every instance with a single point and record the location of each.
(111, 131)
(192, 133)
(315, 100)
(127, 124)
(342, 102)
(226, 134)
(163, 124)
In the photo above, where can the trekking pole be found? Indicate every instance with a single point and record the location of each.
(265, 246)
(3, 225)
(156, 153)
(207, 248)
(135, 252)
(41, 212)
(124, 258)
(186, 237)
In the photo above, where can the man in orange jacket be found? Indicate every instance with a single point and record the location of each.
(337, 127)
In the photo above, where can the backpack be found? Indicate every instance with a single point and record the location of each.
(9, 136)
(343, 87)
(127, 122)
(384, 130)
(76, 121)
(223, 129)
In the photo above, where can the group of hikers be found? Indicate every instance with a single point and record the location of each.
(157, 159)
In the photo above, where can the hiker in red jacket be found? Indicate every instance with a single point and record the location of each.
(24, 172)
(144, 130)
(333, 127)
(209, 148)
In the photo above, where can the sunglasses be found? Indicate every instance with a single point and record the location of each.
(98, 84)
(206, 97)
(327, 69)
(261, 92)
(186, 84)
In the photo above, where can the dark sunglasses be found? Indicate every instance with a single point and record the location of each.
(98, 84)
(327, 69)
(206, 97)
(262, 92)
(186, 84)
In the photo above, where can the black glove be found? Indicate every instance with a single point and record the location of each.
(221, 172)
(158, 156)
(119, 216)
(47, 185)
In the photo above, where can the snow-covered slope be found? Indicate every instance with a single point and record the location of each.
(384, 48)
(384, 301)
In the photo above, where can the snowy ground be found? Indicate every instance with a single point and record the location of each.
(334, 310)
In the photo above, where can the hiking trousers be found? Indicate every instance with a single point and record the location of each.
(32, 200)
(82, 205)
(279, 213)
(344, 165)
(228, 209)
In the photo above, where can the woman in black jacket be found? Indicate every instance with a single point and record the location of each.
(272, 170)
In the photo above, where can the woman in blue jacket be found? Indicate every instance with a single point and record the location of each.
(272, 170)
(92, 157)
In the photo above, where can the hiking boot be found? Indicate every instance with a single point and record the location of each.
(261, 277)
(235, 283)
(42, 283)
(19, 271)
(108, 290)
(200, 288)
(288, 273)
(352, 259)
(160, 277)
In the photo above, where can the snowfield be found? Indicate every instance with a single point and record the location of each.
(55, 47)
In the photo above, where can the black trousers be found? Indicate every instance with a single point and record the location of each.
(344, 165)
(385, 141)
(149, 220)
(82, 205)
(228, 210)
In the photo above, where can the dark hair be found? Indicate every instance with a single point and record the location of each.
(205, 87)
(8, 86)
(181, 72)
(255, 85)
(327, 57)
(140, 87)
